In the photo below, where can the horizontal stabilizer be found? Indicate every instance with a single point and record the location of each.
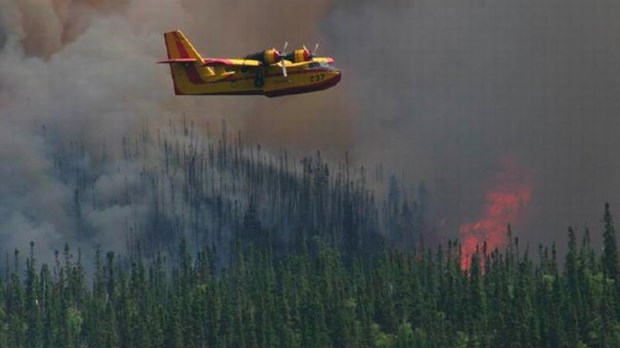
(231, 62)
(177, 60)
(217, 61)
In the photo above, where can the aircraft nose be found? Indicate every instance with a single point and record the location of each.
(337, 75)
(333, 79)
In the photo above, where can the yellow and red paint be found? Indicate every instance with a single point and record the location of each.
(300, 55)
(195, 75)
(270, 56)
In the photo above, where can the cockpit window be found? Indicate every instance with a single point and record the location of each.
(319, 65)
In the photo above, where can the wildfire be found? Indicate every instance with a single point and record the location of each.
(504, 202)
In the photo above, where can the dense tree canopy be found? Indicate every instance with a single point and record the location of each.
(418, 298)
(240, 248)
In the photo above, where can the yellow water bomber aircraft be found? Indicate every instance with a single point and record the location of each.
(270, 72)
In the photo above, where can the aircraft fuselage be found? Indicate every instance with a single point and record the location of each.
(268, 80)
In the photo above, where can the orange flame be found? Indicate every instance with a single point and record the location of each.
(504, 203)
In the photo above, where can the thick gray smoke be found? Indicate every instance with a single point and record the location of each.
(442, 91)
(447, 90)
(76, 78)
(78, 81)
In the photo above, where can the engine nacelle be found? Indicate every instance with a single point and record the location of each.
(300, 55)
(267, 57)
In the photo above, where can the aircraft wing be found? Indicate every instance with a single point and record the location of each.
(327, 60)
(231, 62)
(213, 61)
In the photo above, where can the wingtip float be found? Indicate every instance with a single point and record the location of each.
(270, 73)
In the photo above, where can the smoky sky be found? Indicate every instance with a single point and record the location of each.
(78, 78)
(440, 91)
(445, 91)
(72, 78)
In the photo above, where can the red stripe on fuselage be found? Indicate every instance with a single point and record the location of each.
(190, 69)
(282, 92)
(305, 89)
(279, 74)
(194, 75)
(195, 78)
(252, 92)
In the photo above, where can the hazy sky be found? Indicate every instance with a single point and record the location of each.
(441, 91)
(447, 90)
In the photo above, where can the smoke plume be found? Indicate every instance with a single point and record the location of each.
(444, 90)
(78, 80)
(436, 91)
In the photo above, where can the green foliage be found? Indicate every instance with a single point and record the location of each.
(315, 298)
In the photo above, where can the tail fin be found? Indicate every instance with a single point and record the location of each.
(179, 47)
(184, 61)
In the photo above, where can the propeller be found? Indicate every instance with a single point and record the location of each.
(282, 55)
(309, 55)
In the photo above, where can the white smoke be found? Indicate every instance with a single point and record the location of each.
(78, 81)
(67, 101)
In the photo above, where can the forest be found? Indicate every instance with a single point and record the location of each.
(228, 245)
(314, 299)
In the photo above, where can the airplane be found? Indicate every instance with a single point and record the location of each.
(269, 72)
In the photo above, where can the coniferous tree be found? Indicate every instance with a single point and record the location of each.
(315, 298)
(610, 253)
(32, 296)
